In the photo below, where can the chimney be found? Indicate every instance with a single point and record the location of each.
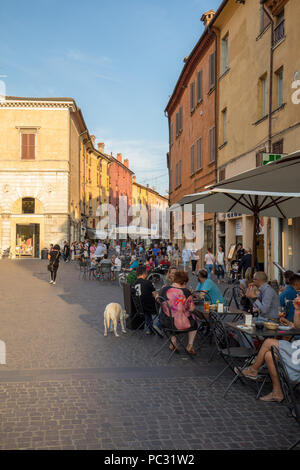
(101, 146)
(93, 139)
(126, 162)
(207, 17)
(134, 179)
(119, 157)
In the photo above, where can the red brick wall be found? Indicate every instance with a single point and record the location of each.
(120, 184)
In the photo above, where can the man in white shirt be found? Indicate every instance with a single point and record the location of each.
(100, 251)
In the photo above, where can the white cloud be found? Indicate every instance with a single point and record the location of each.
(147, 159)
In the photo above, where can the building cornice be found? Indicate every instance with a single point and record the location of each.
(36, 103)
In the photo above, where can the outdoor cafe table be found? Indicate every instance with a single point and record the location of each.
(263, 333)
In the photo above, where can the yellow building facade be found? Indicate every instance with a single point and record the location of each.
(257, 65)
(39, 174)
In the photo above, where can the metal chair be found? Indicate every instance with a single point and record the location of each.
(171, 331)
(231, 355)
(83, 268)
(287, 388)
(137, 301)
(105, 271)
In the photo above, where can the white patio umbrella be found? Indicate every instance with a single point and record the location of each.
(270, 191)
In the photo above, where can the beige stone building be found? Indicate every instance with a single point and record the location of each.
(39, 174)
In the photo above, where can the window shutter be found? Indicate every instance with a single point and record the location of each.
(177, 124)
(199, 153)
(24, 147)
(180, 168)
(171, 133)
(176, 176)
(180, 119)
(199, 86)
(192, 160)
(212, 70)
(212, 145)
(192, 96)
(28, 147)
(277, 148)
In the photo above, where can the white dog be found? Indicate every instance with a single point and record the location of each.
(112, 314)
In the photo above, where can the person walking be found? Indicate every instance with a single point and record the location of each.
(194, 260)
(54, 263)
(176, 255)
(220, 264)
(209, 262)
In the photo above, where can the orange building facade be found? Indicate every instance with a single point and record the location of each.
(191, 114)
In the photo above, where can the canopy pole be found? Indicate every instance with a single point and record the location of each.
(255, 231)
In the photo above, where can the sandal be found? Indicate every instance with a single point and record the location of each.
(270, 398)
(171, 347)
(246, 373)
(191, 350)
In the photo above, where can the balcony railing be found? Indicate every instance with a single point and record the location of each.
(279, 32)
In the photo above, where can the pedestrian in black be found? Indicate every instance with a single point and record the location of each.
(54, 263)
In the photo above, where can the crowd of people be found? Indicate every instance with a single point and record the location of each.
(179, 302)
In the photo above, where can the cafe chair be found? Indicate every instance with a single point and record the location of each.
(83, 268)
(172, 331)
(288, 388)
(232, 356)
(139, 316)
(105, 271)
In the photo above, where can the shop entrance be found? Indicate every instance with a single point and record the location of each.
(28, 240)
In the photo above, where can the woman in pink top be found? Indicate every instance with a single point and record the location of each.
(92, 251)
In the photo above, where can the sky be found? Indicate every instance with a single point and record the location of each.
(119, 59)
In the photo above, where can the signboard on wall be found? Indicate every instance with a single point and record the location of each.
(239, 228)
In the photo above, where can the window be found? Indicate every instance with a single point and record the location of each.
(28, 205)
(222, 174)
(277, 147)
(212, 144)
(192, 97)
(259, 157)
(199, 153)
(180, 119)
(224, 54)
(263, 96)
(90, 200)
(171, 133)
(199, 86)
(212, 70)
(264, 19)
(279, 76)
(179, 172)
(27, 146)
(192, 159)
(279, 32)
(224, 125)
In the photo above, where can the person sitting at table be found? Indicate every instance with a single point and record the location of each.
(182, 307)
(133, 265)
(263, 297)
(150, 263)
(145, 290)
(288, 352)
(210, 290)
(288, 295)
(165, 263)
(116, 266)
(244, 284)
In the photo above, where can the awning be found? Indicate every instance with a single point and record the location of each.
(270, 191)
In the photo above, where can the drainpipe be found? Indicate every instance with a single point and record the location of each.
(269, 248)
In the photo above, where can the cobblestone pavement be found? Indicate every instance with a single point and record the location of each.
(65, 386)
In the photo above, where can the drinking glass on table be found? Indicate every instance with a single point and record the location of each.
(281, 312)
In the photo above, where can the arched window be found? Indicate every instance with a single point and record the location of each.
(28, 205)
